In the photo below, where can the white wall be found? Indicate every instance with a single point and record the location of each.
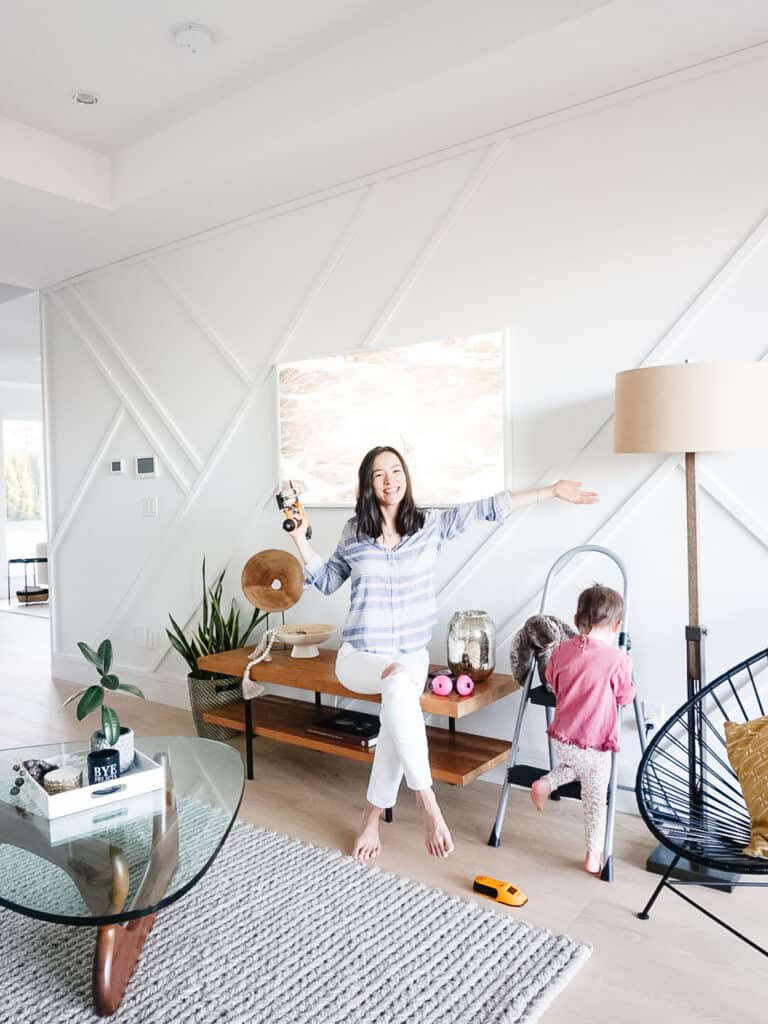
(632, 231)
(20, 394)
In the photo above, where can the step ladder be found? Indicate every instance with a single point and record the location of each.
(525, 775)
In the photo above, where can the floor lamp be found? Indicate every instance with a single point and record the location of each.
(689, 408)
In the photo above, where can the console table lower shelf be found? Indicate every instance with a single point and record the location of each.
(455, 757)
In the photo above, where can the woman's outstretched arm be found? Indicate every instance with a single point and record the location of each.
(454, 521)
(566, 490)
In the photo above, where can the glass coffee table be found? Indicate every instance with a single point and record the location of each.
(116, 867)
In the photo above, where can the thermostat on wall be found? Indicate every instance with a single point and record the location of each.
(146, 467)
(117, 465)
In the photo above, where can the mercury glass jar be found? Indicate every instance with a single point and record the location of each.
(472, 644)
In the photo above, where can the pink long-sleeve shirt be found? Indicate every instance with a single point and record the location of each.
(589, 679)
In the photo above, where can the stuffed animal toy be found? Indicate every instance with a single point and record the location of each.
(537, 638)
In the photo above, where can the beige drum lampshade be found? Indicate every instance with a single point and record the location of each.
(692, 407)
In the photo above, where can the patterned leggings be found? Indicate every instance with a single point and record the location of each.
(593, 770)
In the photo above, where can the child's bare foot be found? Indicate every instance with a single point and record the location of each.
(540, 791)
(437, 837)
(367, 845)
(592, 863)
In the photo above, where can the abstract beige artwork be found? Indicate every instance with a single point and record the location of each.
(440, 403)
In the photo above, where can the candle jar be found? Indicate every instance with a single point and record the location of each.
(472, 644)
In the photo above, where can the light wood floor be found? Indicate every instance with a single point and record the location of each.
(677, 967)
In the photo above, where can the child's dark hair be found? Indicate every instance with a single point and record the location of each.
(598, 606)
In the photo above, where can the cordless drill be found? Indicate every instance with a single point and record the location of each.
(290, 505)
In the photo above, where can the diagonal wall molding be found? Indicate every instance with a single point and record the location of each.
(663, 347)
(188, 308)
(476, 179)
(137, 378)
(99, 459)
(258, 389)
(602, 535)
(324, 276)
(122, 394)
(265, 498)
(740, 513)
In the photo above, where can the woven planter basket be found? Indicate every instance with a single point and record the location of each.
(209, 695)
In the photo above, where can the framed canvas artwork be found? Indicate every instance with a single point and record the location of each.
(440, 403)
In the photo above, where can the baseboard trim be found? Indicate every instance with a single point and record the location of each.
(171, 690)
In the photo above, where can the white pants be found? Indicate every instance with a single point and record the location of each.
(593, 770)
(402, 744)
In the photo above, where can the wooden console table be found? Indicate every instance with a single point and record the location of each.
(455, 757)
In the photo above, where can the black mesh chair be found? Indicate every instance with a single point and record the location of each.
(690, 796)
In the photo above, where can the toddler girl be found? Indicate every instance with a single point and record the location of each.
(589, 677)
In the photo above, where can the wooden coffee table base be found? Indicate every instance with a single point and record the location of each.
(118, 948)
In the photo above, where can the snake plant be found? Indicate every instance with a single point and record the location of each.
(214, 632)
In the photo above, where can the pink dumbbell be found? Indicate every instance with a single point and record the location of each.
(465, 685)
(443, 685)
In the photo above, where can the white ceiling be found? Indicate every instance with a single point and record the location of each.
(125, 53)
(294, 97)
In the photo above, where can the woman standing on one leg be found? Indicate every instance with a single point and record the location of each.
(389, 549)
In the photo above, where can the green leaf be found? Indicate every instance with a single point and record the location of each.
(90, 700)
(111, 682)
(105, 655)
(129, 688)
(183, 649)
(257, 617)
(110, 725)
(90, 655)
(205, 599)
(73, 697)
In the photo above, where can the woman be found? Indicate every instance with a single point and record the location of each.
(389, 549)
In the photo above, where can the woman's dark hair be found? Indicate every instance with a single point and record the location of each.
(598, 606)
(410, 519)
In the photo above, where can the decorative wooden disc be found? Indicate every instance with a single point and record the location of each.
(273, 580)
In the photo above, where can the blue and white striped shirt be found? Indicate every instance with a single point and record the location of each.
(393, 607)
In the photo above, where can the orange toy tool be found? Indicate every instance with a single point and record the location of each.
(502, 892)
(290, 505)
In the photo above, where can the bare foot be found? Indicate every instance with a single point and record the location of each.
(540, 791)
(437, 837)
(367, 845)
(592, 863)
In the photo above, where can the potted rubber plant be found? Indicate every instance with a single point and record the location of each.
(112, 734)
(216, 632)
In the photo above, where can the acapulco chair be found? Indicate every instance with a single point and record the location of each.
(690, 797)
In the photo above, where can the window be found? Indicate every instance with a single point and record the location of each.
(24, 504)
(440, 403)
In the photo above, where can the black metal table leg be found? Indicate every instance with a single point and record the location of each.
(318, 701)
(248, 740)
(387, 814)
(451, 725)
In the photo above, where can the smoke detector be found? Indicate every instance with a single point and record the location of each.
(193, 37)
(88, 99)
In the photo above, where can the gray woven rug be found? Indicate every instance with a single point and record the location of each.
(279, 932)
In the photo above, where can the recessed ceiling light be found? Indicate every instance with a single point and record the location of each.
(193, 37)
(88, 99)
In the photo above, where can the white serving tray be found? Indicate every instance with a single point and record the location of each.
(96, 819)
(144, 776)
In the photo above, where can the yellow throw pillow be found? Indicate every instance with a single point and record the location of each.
(747, 744)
